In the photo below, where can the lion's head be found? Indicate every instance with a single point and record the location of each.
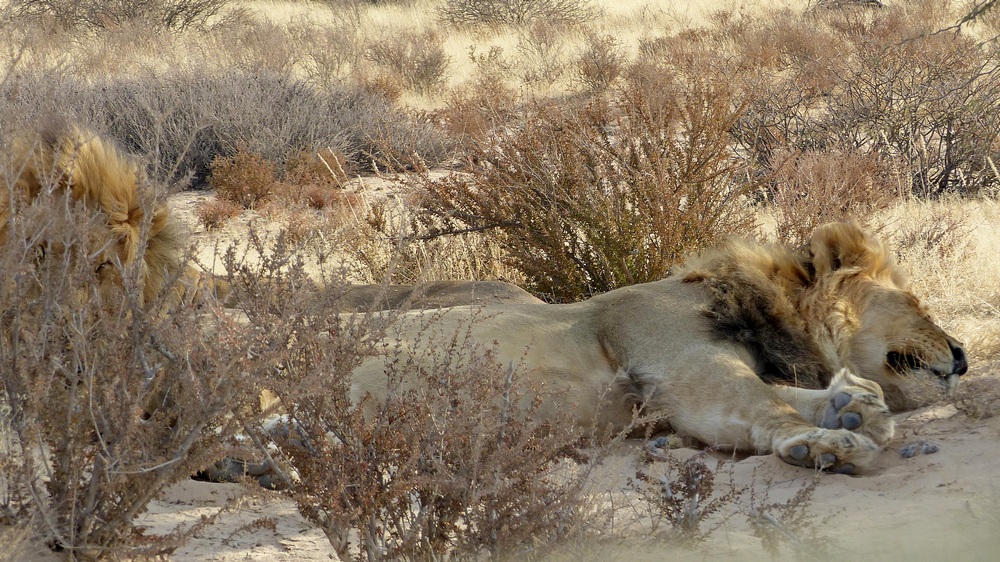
(65, 163)
(879, 329)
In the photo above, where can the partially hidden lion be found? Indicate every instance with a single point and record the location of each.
(747, 347)
(65, 160)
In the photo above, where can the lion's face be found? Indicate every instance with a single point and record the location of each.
(900, 347)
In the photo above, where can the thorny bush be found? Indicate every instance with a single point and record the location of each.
(882, 83)
(83, 360)
(452, 465)
(91, 14)
(589, 199)
(683, 497)
(514, 12)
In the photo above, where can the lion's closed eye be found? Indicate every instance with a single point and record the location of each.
(903, 361)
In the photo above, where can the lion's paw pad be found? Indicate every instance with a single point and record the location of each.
(800, 453)
(846, 468)
(859, 411)
(835, 450)
(851, 420)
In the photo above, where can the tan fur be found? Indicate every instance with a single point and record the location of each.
(696, 348)
(66, 159)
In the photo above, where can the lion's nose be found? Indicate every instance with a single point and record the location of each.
(961, 364)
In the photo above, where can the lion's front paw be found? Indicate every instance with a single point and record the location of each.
(856, 404)
(837, 450)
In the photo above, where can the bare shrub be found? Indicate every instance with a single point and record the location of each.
(245, 179)
(601, 62)
(945, 236)
(83, 364)
(684, 498)
(215, 212)
(453, 465)
(418, 59)
(923, 100)
(171, 14)
(585, 200)
(514, 12)
(789, 523)
(184, 120)
(813, 188)
(486, 103)
(332, 51)
(316, 180)
(381, 246)
(542, 50)
(879, 82)
(256, 44)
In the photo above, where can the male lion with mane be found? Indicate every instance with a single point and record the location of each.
(747, 347)
(64, 160)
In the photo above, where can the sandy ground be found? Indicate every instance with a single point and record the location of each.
(928, 507)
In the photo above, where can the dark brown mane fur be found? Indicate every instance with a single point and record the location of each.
(753, 291)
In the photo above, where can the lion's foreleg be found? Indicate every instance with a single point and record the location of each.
(722, 402)
(850, 402)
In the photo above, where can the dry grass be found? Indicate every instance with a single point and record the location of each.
(953, 267)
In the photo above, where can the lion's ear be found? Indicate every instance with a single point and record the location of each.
(840, 244)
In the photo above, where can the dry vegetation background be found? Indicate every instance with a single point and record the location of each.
(570, 147)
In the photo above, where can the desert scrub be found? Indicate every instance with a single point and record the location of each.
(245, 179)
(108, 398)
(588, 199)
(215, 212)
(185, 119)
(95, 14)
(454, 465)
(877, 82)
(514, 12)
(681, 501)
(418, 60)
(811, 188)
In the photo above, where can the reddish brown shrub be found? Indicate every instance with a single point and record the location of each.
(245, 178)
(455, 469)
(213, 213)
(815, 187)
(588, 199)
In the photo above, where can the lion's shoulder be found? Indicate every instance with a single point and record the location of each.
(750, 298)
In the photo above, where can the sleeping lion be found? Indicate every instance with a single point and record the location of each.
(65, 160)
(746, 347)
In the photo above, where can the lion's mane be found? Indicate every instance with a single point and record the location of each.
(92, 170)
